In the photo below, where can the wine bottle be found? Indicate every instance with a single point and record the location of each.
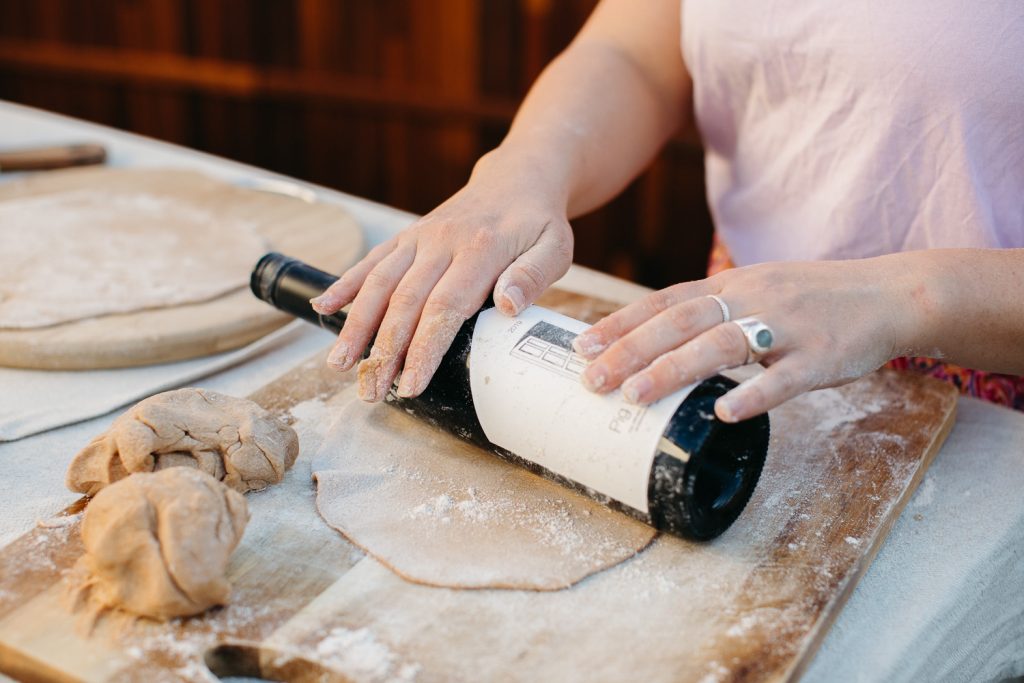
(511, 386)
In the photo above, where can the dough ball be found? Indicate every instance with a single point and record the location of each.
(157, 545)
(231, 439)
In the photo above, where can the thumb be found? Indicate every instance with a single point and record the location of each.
(534, 271)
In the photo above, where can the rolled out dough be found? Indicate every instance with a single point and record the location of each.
(232, 439)
(157, 544)
(441, 512)
(82, 253)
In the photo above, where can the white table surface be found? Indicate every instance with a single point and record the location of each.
(944, 599)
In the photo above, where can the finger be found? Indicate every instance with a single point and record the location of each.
(458, 295)
(534, 271)
(344, 289)
(638, 348)
(782, 381)
(599, 337)
(377, 373)
(721, 347)
(368, 308)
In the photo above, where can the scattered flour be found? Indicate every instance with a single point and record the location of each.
(314, 411)
(925, 494)
(553, 524)
(312, 420)
(839, 410)
(59, 521)
(360, 656)
(745, 624)
(718, 672)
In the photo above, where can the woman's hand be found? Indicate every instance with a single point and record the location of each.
(506, 229)
(593, 120)
(833, 322)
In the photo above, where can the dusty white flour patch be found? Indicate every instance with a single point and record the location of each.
(313, 411)
(925, 494)
(312, 420)
(359, 655)
(554, 523)
(186, 653)
(39, 553)
(745, 624)
(838, 410)
(59, 521)
(180, 649)
(717, 673)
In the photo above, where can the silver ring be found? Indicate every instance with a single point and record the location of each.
(759, 337)
(721, 304)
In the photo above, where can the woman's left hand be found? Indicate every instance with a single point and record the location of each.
(832, 322)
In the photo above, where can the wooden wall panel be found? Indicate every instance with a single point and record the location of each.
(389, 99)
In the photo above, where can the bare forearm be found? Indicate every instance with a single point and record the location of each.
(591, 122)
(968, 306)
(602, 109)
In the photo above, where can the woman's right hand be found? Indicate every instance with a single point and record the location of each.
(506, 229)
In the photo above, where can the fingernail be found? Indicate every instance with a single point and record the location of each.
(320, 303)
(515, 298)
(594, 377)
(407, 385)
(636, 388)
(727, 408)
(338, 358)
(587, 346)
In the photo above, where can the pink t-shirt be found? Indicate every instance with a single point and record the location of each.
(853, 129)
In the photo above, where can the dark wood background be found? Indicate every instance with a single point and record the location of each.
(388, 99)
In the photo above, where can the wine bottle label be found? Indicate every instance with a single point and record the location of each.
(526, 388)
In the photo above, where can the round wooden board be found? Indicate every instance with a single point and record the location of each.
(321, 234)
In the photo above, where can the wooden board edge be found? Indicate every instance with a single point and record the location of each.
(170, 350)
(803, 658)
(26, 669)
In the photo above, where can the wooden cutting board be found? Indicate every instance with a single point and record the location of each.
(321, 234)
(752, 605)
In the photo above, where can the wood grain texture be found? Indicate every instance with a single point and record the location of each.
(752, 605)
(321, 234)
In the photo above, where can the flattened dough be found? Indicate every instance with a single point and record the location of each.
(232, 439)
(83, 253)
(441, 512)
(157, 544)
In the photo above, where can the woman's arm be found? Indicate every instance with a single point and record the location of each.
(592, 121)
(602, 109)
(833, 321)
(970, 305)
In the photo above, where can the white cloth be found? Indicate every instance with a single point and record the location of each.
(847, 130)
(942, 601)
(32, 401)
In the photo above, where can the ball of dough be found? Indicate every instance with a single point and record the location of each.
(157, 545)
(232, 439)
